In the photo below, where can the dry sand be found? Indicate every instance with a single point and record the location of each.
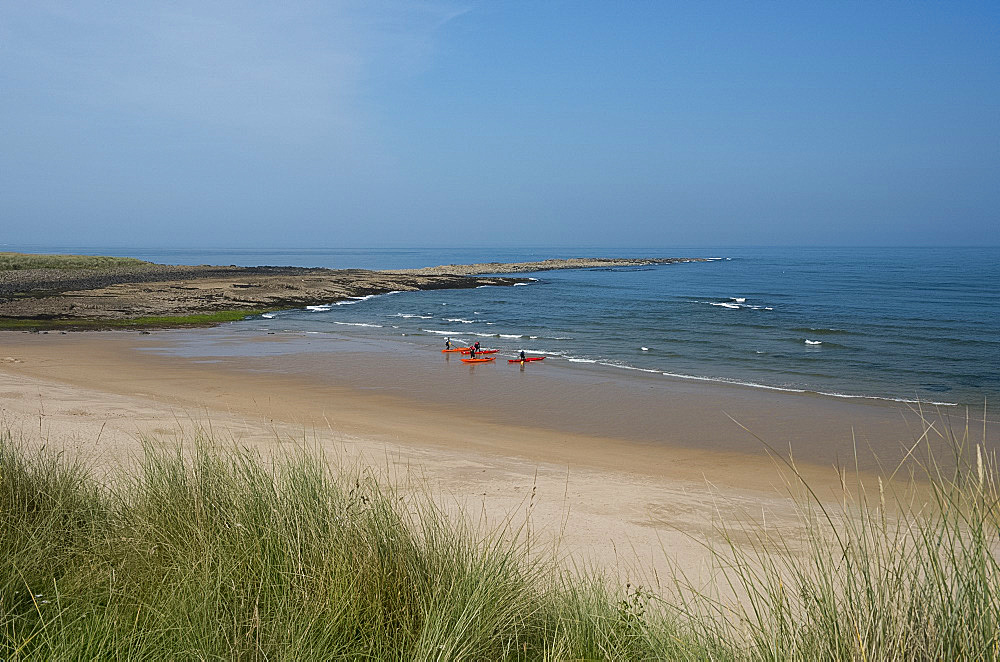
(633, 492)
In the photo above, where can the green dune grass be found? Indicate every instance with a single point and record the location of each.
(153, 322)
(12, 261)
(202, 553)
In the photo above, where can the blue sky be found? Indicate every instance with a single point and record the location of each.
(456, 123)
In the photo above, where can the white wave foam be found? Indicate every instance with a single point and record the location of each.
(479, 287)
(575, 360)
(414, 316)
(533, 279)
(352, 300)
(733, 382)
(517, 284)
(370, 326)
(268, 316)
(625, 366)
(346, 302)
(814, 342)
(459, 319)
(736, 303)
(510, 335)
(645, 349)
(443, 333)
(787, 389)
(876, 397)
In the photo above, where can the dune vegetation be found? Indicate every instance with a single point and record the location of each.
(149, 322)
(202, 552)
(15, 261)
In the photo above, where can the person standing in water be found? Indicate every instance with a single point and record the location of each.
(476, 345)
(522, 355)
(447, 343)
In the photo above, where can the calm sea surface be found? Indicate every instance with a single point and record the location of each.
(896, 323)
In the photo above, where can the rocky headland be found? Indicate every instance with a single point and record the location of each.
(146, 294)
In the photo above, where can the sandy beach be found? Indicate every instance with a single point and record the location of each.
(625, 471)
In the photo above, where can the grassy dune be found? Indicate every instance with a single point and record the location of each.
(157, 322)
(211, 554)
(14, 261)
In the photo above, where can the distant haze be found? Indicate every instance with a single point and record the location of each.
(511, 123)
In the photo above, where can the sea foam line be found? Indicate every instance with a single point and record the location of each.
(736, 303)
(352, 300)
(322, 308)
(736, 382)
(787, 389)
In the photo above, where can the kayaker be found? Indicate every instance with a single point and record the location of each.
(447, 343)
(472, 352)
(477, 345)
(522, 354)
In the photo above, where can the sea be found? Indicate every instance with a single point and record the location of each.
(901, 324)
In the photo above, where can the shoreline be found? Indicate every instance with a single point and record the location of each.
(596, 400)
(586, 402)
(622, 506)
(629, 493)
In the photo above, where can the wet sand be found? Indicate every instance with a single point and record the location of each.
(623, 470)
(589, 401)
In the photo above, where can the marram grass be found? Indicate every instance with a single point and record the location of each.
(203, 553)
(221, 555)
(149, 322)
(14, 261)
(898, 570)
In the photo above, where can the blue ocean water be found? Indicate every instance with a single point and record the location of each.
(894, 323)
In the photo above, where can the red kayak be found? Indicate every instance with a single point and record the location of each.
(481, 351)
(456, 349)
(527, 359)
(486, 360)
